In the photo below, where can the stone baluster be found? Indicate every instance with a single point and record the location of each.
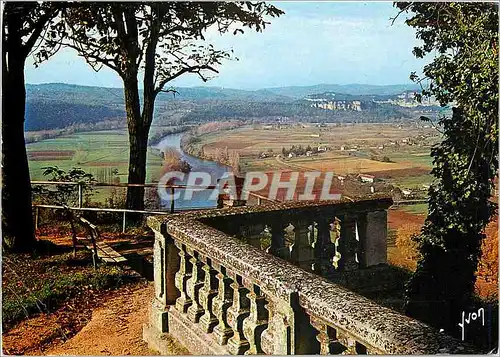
(252, 234)
(327, 337)
(181, 278)
(221, 304)
(312, 236)
(348, 243)
(324, 249)
(277, 338)
(194, 284)
(278, 247)
(239, 311)
(335, 237)
(348, 342)
(302, 253)
(207, 295)
(289, 330)
(256, 322)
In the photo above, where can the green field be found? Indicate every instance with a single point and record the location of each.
(91, 151)
(420, 209)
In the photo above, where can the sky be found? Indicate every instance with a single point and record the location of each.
(312, 43)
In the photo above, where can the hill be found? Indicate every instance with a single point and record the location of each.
(58, 105)
(352, 89)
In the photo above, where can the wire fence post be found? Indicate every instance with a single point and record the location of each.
(80, 195)
(37, 213)
(172, 200)
(124, 224)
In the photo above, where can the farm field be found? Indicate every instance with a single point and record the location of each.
(352, 149)
(91, 151)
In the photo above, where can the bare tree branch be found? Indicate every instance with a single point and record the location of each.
(191, 69)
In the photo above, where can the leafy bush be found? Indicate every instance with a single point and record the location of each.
(487, 270)
(407, 245)
(64, 194)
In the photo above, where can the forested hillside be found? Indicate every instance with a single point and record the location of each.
(297, 110)
(57, 105)
(47, 115)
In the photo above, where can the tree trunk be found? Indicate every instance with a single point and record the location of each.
(17, 218)
(137, 166)
(138, 140)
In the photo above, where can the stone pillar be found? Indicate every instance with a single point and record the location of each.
(302, 253)
(373, 239)
(278, 247)
(165, 264)
(348, 243)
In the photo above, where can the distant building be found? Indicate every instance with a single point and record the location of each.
(366, 178)
(406, 193)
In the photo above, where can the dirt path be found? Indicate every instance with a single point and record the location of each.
(115, 327)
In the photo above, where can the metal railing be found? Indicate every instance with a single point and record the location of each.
(123, 185)
(124, 211)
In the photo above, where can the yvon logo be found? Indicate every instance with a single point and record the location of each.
(470, 317)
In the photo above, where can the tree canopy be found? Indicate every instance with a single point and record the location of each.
(160, 41)
(463, 37)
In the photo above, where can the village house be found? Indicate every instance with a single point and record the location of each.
(406, 192)
(366, 178)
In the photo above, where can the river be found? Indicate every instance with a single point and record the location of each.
(200, 199)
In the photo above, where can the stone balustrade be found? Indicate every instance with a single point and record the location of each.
(217, 291)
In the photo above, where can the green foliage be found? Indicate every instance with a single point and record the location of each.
(65, 194)
(464, 74)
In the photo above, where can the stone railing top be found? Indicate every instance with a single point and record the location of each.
(381, 328)
(293, 208)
